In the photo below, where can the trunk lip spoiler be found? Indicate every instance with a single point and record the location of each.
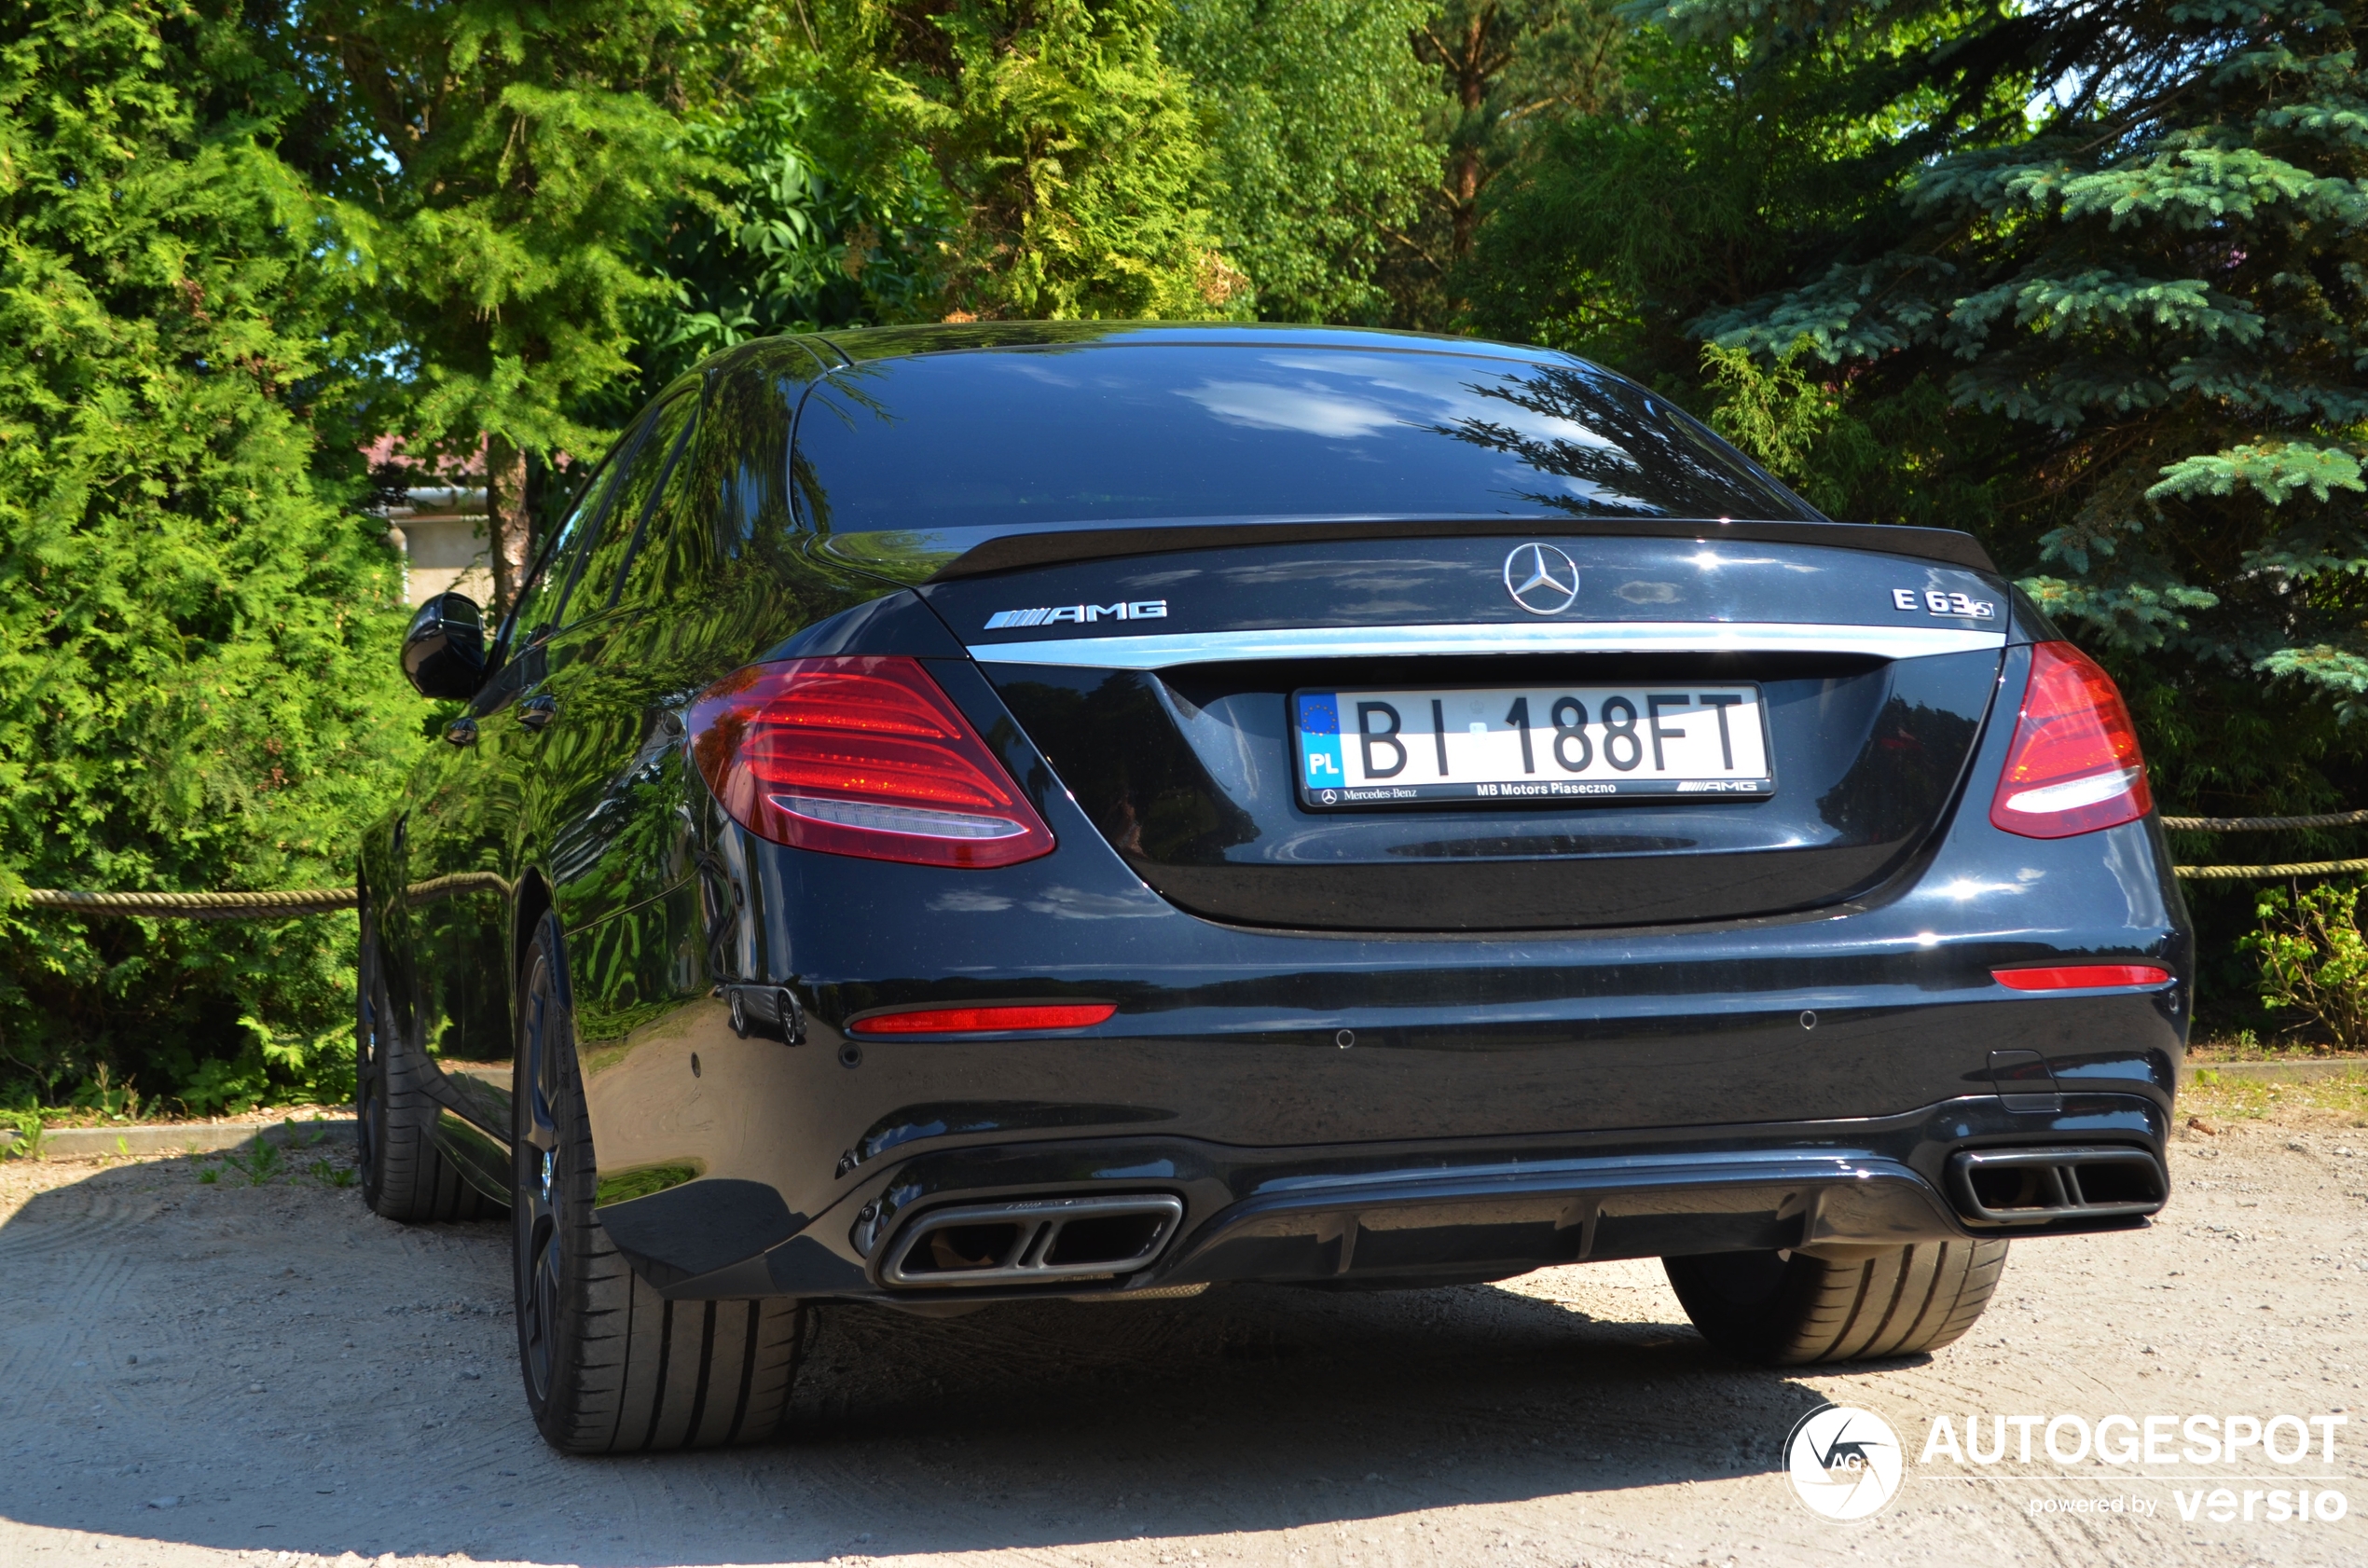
(1167, 650)
(1060, 544)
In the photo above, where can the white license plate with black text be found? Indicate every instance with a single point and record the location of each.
(1530, 744)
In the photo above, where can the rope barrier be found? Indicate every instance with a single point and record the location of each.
(261, 905)
(198, 906)
(2267, 874)
(2265, 824)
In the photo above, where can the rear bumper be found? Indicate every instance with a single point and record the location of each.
(1356, 1107)
(1413, 1214)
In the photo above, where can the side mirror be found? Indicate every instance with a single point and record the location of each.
(444, 651)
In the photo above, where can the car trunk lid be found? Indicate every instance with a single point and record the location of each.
(1169, 692)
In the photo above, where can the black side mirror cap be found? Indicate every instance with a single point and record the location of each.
(444, 651)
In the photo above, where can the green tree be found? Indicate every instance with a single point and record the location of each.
(1742, 161)
(1320, 144)
(1067, 155)
(504, 163)
(2162, 288)
(1505, 72)
(777, 242)
(197, 682)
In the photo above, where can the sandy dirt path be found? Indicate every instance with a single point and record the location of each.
(197, 1374)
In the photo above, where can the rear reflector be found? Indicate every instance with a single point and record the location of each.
(2074, 765)
(2080, 977)
(969, 1020)
(861, 756)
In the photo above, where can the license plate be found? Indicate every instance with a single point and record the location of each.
(1528, 745)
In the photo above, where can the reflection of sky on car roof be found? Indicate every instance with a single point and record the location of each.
(1059, 437)
(1348, 397)
(1433, 391)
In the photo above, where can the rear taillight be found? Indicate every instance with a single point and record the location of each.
(861, 756)
(2075, 766)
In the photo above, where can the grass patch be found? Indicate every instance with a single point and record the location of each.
(2212, 1096)
(259, 1161)
(2245, 1046)
(270, 1158)
(31, 1135)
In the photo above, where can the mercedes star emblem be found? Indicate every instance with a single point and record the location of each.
(1541, 579)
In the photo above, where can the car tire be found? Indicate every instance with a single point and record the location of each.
(1789, 1309)
(610, 1366)
(404, 1176)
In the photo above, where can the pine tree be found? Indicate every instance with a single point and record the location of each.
(2163, 288)
(2088, 279)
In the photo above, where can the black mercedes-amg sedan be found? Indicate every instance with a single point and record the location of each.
(976, 814)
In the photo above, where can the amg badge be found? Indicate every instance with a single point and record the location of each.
(1083, 615)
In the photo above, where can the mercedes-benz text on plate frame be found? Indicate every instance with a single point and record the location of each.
(1514, 744)
(1542, 579)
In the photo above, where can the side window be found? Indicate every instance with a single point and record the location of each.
(538, 606)
(639, 486)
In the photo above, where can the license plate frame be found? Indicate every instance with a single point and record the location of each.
(1465, 744)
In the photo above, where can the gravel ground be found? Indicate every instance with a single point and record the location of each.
(197, 1374)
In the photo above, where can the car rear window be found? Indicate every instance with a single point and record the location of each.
(1003, 440)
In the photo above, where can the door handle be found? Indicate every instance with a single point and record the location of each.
(535, 713)
(462, 731)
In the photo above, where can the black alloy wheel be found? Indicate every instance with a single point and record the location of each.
(610, 1365)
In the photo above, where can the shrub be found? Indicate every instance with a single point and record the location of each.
(198, 678)
(2313, 961)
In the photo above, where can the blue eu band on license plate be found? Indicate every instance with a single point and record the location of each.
(1533, 745)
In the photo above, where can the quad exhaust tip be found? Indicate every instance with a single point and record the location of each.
(2035, 1185)
(1033, 1241)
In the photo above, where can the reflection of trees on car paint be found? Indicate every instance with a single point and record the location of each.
(1904, 775)
(707, 586)
(1129, 765)
(1631, 452)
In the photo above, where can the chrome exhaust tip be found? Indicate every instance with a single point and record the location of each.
(1032, 1241)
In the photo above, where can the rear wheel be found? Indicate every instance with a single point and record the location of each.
(610, 1366)
(1787, 1309)
(404, 1175)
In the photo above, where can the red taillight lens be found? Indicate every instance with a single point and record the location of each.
(2080, 977)
(861, 756)
(965, 1020)
(2074, 765)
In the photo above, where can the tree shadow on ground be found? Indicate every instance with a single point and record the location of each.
(394, 1422)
